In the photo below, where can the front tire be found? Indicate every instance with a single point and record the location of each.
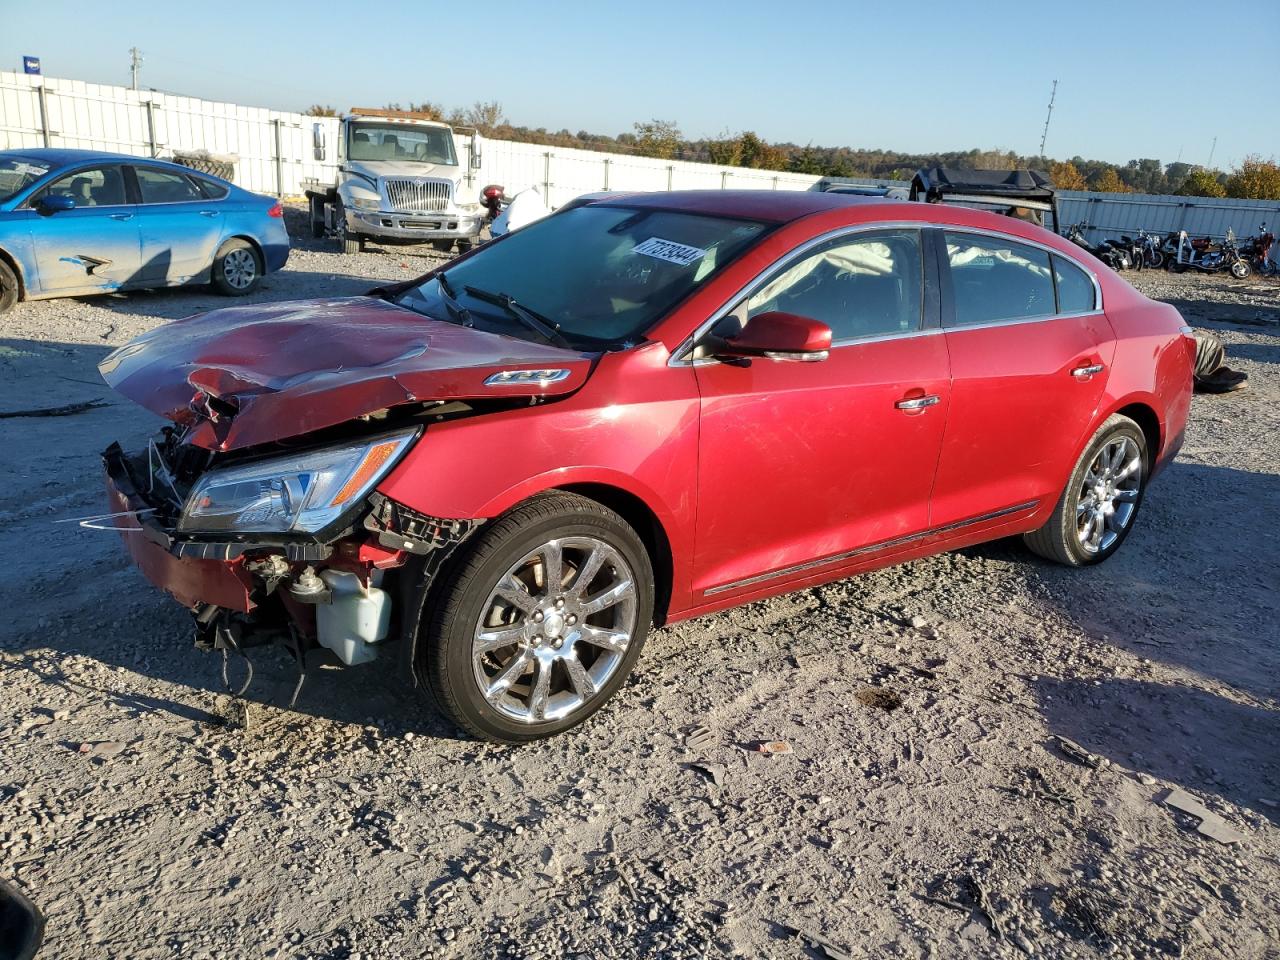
(237, 268)
(1100, 503)
(347, 242)
(1241, 270)
(9, 288)
(540, 622)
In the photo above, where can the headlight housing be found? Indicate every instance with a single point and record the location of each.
(364, 199)
(303, 493)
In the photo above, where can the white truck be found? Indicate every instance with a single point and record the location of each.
(401, 178)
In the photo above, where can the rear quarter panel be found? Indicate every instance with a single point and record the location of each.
(246, 216)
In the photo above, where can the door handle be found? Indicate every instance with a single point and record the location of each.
(208, 213)
(1086, 372)
(917, 403)
(121, 216)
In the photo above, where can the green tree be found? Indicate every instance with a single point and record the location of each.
(1202, 183)
(320, 110)
(1255, 179)
(658, 138)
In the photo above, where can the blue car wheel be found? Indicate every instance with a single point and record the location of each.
(8, 287)
(237, 268)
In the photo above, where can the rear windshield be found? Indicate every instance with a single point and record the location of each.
(18, 173)
(600, 275)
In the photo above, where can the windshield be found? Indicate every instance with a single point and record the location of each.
(18, 173)
(401, 141)
(599, 276)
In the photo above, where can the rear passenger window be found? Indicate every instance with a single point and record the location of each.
(994, 280)
(211, 190)
(161, 186)
(1075, 288)
(863, 286)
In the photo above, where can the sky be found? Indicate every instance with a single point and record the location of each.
(1134, 79)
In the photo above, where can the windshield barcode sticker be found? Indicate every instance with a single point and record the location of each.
(670, 251)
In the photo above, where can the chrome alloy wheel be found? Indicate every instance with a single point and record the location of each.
(239, 268)
(1108, 494)
(555, 629)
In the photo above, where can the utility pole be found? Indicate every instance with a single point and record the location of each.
(1049, 116)
(135, 56)
(1209, 165)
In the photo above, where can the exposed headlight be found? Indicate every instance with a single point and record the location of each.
(365, 203)
(297, 494)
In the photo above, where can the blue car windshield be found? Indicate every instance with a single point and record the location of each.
(17, 173)
(595, 276)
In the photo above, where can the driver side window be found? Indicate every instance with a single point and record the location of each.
(865, 285)
(96, 187)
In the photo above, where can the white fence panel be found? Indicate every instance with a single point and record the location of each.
(276, 154)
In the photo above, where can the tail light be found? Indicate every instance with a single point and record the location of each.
(277, 210)
(492, 191)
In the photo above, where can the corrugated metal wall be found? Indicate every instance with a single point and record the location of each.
(276, 154)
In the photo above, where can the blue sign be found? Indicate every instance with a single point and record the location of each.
(31, 65)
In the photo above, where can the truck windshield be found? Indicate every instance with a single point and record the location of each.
(597, 276)
(401, 141)
(17, 173)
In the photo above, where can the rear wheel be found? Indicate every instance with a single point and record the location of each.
(1097, 509)
(9, 289)
(541, 621)
(237, 268)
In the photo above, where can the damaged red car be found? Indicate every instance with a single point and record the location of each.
(638, 410)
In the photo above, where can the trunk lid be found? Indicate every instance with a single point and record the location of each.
(242, 376)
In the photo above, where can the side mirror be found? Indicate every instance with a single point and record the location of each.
(777, 336)
(55, 203)
(317, 140)
(476, 156)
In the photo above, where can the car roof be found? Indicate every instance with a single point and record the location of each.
(770, 206)
(58, 157)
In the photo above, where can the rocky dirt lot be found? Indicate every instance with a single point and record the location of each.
(982, 743)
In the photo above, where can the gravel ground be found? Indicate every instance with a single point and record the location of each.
(954, 824)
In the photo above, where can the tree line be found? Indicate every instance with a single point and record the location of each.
(1255, 178)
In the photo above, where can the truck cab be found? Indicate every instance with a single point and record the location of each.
(401, 179)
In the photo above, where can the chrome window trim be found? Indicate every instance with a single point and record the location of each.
(29, 203)
(679, 356)
(1098, 306)
(169, 203)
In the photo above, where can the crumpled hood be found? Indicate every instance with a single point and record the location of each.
(249, 375)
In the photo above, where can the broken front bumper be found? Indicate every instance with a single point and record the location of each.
(348, 595)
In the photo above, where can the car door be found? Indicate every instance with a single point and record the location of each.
(803, 464)
(180, 228)
(93, 246)
(1030, 350)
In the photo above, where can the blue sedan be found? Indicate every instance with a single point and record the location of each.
(79, 222)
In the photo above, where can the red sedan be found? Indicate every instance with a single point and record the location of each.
(642, 409)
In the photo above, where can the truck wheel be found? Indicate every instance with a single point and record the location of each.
(8, 287)
(540, 622)
(237, 268)
(346, 242)
(465, 246)
(443, 246)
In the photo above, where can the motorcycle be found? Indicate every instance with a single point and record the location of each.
(1150, 250)
(1257, 250)
(1208, 257)
(1114, 256)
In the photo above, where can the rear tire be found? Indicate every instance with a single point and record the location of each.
(521, 669)
(1100, 503)
(10, 290)
(237, 268)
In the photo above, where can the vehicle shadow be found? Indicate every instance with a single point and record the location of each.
(1204, 742)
